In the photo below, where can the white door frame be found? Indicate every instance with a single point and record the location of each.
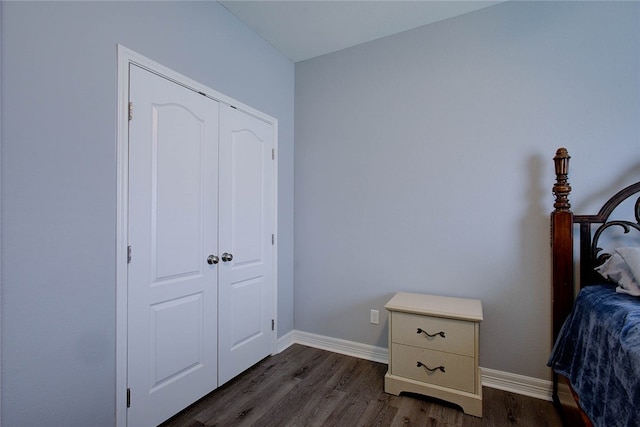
(126, 57)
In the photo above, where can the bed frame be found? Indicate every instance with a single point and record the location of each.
(562, 253)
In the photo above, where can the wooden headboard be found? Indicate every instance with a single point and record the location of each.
(591, 229)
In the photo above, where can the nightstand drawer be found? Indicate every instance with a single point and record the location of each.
(412, 329)
(459, 371)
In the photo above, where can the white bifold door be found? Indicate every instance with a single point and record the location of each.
(200, 227)
(246, 210)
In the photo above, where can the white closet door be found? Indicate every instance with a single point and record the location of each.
(246, 227)
(173, 218)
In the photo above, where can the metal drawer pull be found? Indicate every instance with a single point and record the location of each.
(420, 364)
(420, 331)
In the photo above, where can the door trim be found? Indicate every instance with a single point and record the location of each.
(125, 57)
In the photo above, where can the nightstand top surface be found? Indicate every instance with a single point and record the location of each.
(433, 305)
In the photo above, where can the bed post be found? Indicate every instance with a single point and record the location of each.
(561, 244)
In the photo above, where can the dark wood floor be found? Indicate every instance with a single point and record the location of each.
(304, 386)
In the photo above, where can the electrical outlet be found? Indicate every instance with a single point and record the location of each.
(375, 317)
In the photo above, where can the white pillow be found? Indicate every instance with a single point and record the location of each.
(632, 257)
(616, 269)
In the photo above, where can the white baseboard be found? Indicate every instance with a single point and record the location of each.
(514, 383)
(336, 345)
(285, 341)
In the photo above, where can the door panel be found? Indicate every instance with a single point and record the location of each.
(177, 153)
(176, 323)
(246, 224)
(173, 217)
(248, 312)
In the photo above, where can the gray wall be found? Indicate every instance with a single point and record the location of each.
(59, 182)
(423, 163)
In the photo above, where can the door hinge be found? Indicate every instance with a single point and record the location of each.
(130, 110)
(128, 254)
(273, 239)
(128, 398)
(273, 324)
(273, 154)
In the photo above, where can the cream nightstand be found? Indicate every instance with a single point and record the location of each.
(433, 348)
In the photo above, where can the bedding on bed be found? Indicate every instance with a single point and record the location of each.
(623, 268)
(598, 350)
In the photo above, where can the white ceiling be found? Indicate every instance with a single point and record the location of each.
(306, 29)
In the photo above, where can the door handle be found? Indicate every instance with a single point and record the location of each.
(227, 257)
(213, 259)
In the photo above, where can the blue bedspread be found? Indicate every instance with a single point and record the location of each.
(598, 350)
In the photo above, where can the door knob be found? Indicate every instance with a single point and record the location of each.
(213, 259)
(227, 257)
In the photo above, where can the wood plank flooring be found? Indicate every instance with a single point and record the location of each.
(304, 386)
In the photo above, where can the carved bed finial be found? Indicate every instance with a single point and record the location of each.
(561, 188)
